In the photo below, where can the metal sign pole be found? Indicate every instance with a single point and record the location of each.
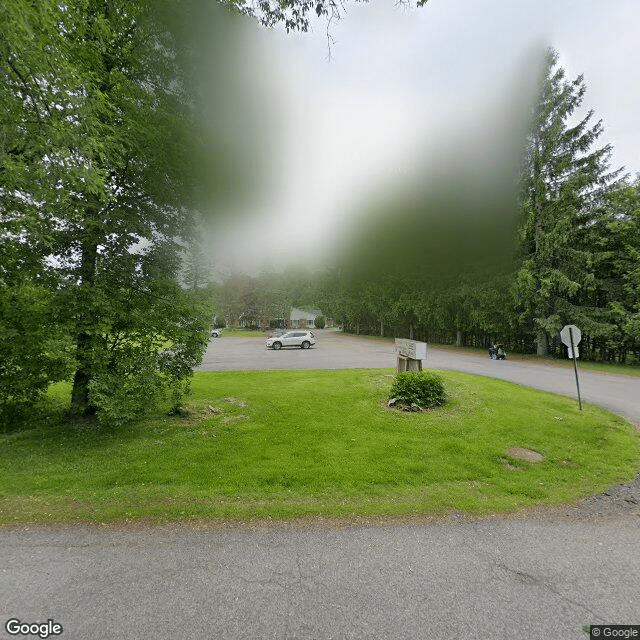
(575, 365)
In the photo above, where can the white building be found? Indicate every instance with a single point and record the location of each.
(303, 319)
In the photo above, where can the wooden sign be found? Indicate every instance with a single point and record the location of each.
(411, 349)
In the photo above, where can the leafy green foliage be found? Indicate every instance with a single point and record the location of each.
(129, 386)
(424, 388)
(576, 263)
(136, 367)
(320, 322)
(263, 299)
(35, 352)
(96, 202)
(565, 180)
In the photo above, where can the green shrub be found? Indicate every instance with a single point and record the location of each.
(35, 350)
(136, 375)
(424, 388)
(319, 322)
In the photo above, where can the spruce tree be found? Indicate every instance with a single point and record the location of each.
(611, 302)
(564, 180)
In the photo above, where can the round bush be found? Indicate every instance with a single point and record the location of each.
(319, 322)
(424, 388)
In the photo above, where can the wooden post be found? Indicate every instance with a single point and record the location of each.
(408, 364)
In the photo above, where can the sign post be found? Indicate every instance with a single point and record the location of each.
(571, 336)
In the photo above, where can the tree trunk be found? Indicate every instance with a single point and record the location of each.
(543, 344)
(80, 395)
(459, 342)
(382, 329)
(411, 331)
(357, 328)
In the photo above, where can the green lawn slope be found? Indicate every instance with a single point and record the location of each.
(286, 444)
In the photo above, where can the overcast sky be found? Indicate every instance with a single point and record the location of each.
(398, 80)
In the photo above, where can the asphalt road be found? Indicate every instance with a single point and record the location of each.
(491, 579)
(541, 575)
(618, 393)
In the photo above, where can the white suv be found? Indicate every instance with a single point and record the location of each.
(302, 339)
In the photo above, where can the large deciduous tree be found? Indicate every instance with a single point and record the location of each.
(95, 161)
(36, 349)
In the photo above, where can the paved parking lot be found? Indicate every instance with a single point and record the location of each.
(331, 351)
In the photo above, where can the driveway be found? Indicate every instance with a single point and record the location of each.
(535, 575)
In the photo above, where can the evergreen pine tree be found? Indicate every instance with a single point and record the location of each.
(564, 181)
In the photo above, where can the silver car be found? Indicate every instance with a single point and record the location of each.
(302, 339)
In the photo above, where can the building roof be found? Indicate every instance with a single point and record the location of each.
(299, 314)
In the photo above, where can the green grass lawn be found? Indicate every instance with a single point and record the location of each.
(285, 444)
(245, 333)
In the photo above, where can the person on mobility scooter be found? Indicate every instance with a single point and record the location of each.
(497, 352)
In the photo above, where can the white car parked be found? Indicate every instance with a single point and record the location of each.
(216, 333)
(302, 339)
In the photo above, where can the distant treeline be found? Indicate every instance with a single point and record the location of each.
(575, 257)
